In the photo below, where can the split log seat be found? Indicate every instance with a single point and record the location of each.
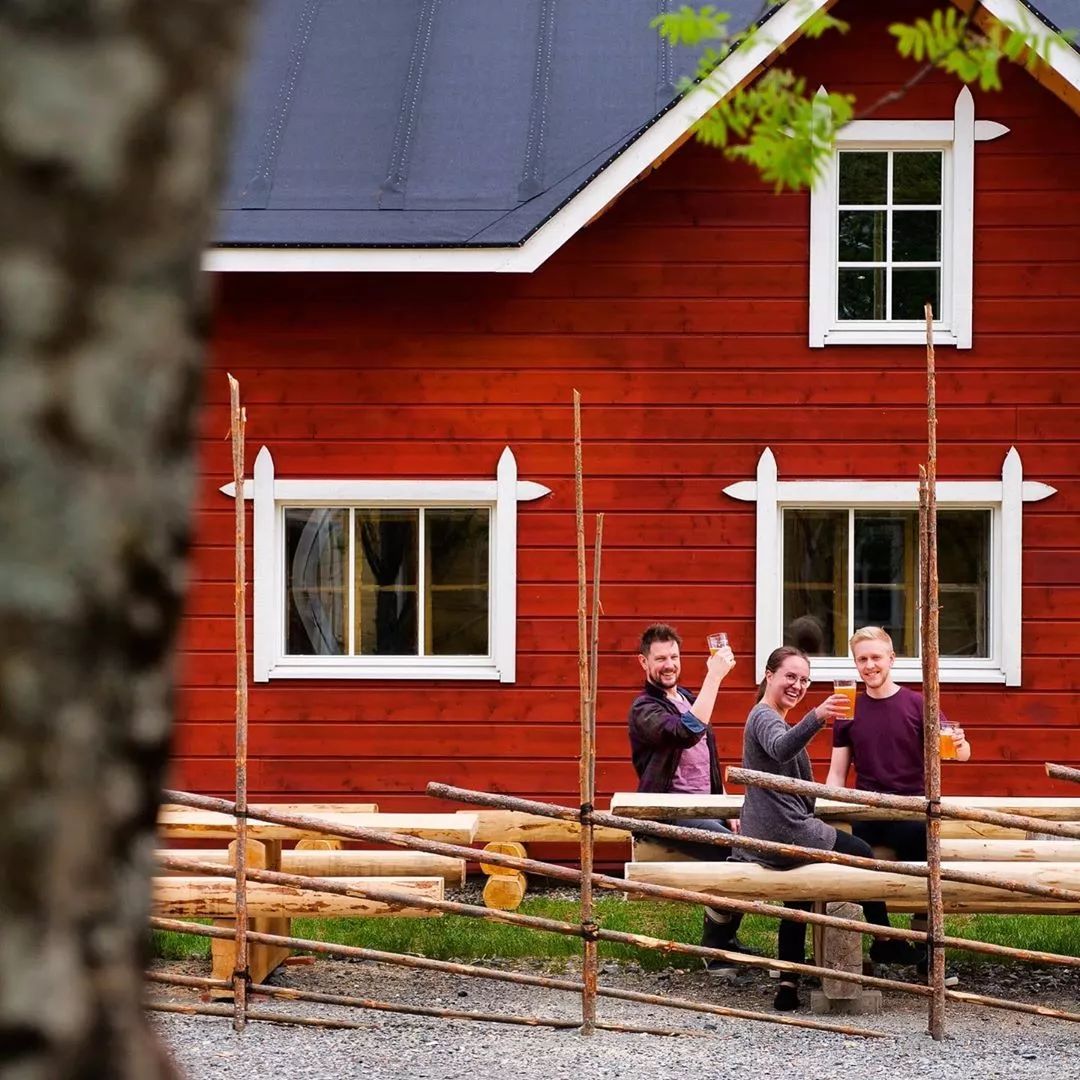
(185, 896)
(824, 882)
(339, 862)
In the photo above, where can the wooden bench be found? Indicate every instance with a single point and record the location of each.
(316, 855)
(1001, 852)
(185, 896)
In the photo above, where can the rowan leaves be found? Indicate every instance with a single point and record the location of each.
(787, 132)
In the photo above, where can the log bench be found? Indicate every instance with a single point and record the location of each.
(316, 855)
(837, 889)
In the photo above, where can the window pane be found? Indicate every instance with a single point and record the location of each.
(964, 582)
(862, 236)
(886, 574)
(456, 600)
(316, 551)
(815, 580)
(386, 582)
(916, 236)
(912, 289)
(917, 177)
(863, 178)
(860, 294)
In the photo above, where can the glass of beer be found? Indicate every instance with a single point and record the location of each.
(946, 744)
(717, 641)
(847, 688)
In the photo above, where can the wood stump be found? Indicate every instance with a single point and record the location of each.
(841, 950)
(262, 959)
(505, 888)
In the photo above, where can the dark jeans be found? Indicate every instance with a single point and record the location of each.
(720, 926)
(791, 945)
(906, 838)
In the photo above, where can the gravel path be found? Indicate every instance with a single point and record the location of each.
(982, 1044)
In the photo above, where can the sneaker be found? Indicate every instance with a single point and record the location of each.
(787, 997)
(891, 951)
(726, 969)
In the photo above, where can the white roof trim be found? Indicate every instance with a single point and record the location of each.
(1056, 54)
(577, 213)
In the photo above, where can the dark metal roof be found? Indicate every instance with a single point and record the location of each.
(425, 122)
(369, 123)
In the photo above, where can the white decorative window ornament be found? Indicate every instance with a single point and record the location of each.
(834, 555)
(892, 228)
(385, 579)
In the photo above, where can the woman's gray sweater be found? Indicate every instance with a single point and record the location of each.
(770, 745)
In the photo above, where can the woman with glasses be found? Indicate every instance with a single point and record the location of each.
(773, 744)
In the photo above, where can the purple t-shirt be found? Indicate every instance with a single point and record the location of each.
(692, 774)
(886, 741)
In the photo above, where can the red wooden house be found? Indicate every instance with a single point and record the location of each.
(442, 218)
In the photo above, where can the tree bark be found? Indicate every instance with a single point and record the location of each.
(112, 118)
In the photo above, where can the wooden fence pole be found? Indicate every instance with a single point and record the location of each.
(585, 761)
(238, 421)
(931, 691)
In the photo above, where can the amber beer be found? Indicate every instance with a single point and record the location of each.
(946, 744)
(846, 687)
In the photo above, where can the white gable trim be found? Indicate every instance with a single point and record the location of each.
(1005, 497)
(590, 201)
(1059, 56)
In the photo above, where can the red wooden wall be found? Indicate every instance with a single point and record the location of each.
(681, 315)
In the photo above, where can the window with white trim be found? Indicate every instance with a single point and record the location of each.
(395, 579)
(891, 229)
(834, 555)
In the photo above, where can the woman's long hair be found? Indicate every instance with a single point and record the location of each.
(772, 665)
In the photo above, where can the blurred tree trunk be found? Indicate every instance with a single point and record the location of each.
(111, 126)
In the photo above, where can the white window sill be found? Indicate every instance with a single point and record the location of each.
(910, 671)
(843, 335)
(411, 669)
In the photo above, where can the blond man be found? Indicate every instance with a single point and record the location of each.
(884, 742)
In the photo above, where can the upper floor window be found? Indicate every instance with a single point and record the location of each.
(385, 579)
(891, 229)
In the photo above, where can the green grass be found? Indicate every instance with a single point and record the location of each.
(455, 937)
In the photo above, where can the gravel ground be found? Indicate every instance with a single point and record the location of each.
(982, 1043)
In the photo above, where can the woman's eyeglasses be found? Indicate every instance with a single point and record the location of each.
(796, 680)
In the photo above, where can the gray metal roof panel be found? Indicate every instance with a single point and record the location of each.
(444, 122)
(437, 121)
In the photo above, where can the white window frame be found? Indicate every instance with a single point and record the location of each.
(1003, 497)
(271, 496)
(956, 138)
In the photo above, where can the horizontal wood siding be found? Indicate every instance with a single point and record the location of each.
(681, 315)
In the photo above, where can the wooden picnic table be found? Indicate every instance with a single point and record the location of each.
(660, 807)
(178, 822)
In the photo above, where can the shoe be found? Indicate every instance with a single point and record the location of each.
(787, 997)
(735, 945)
(722, 969)
(922, 969)
(890, 951)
